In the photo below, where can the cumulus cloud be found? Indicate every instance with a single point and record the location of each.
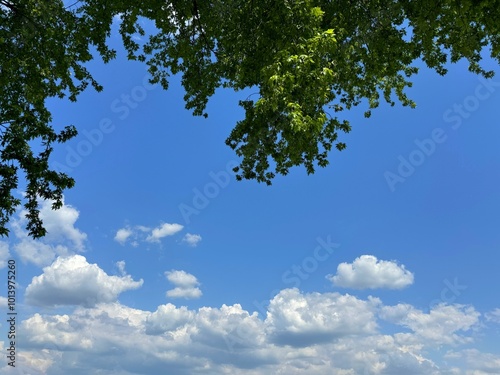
(174, 340)
(300, 319)
(186, 285)
(163, 230)
(367, 272)
(31, 362)
(62, 238)
(122, 235)
(187, 293)
(38, 252)
(442, 325)
(141, 233)
(168, 318)
(60, 224)
(341, 333)
(73, 281)
(192, 239)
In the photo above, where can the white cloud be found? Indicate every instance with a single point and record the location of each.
(442, 325)
(121, 267)
(230, 328)
(140, 233)
(142, 228)
(186, 285)
(4, 254)
(168, 318)
(340, 330)
(73, 281)
(300, 319)
(38, 252)
(367, 272)
(493, 316)
(60, 224)
(163, 230)
(3, 302)
(187, 293)
(31, 362)
(192, 239)
(478, 363)
(181, 278)
(62, 237)
(122, 235)
(62, 329)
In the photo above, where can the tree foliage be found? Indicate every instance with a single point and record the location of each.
(308, 60)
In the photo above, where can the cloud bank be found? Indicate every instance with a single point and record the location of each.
(302, 333)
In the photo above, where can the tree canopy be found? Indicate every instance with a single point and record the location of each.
(309, 60)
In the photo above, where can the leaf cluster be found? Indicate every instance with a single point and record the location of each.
(309, 60)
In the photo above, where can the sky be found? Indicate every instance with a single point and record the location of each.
(385, 262)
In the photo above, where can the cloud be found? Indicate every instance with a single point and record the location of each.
(186, 285)
(440, 326)
(301, 319)
(121, 267)
(478, 363)
(38, 252)
(163, 230)
(192, 239)
(4, 254)
(366, 272)
(122, 235)
(62, 238)
(181, 278)
(493, 316)
(141, 233)
(73, 281)
(341, 333)
(168, 318)
(31, 362)
(187, 293)
(60, 224)
(118, 18)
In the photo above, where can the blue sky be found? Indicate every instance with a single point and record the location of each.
(385, 262)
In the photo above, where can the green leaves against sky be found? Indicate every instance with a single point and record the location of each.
(307, 61)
